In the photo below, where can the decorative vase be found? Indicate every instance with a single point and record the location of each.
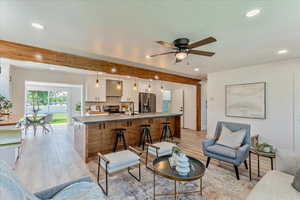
(182, 164)
(172, 160)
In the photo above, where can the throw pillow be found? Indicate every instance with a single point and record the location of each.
(230, 138)
(296, 182)
(287, 161)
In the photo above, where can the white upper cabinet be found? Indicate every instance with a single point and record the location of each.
(94, 93)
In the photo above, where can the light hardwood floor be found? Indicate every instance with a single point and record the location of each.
(48, 160)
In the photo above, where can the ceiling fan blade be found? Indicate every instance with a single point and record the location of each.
(201, 53)
(161, 54)
(166, 44)
(202, 42)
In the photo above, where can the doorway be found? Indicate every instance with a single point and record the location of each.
(48, 101)
(61, 100)
(177, 105)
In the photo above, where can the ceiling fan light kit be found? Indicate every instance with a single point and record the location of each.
(181, 55)
(181, 48)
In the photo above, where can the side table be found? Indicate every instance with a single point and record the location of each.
(263, 154)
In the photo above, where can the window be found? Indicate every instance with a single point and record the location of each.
(166, 101)
(44, 102)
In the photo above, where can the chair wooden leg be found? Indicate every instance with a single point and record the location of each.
(207, 162)
(237, 172)
(246, 165)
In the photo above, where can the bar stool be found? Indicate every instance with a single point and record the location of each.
(120, 136)
(166, 131)
(145, 135)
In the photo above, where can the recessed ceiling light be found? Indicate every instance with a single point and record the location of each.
(282, 51)
(196, 69)
(113, 70)
(37, 26)
(128, 77)
(253, 13)
(156, 77)
(38, 57)
(148, 56)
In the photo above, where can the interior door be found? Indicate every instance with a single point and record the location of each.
(177, 105)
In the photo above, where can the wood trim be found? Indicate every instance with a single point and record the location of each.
(35, 54)
(198, 107)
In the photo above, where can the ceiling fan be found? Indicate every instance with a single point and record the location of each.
(182, 48)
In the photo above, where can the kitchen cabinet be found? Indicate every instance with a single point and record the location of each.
(94, 93)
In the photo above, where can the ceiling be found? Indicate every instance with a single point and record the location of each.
(125, 32)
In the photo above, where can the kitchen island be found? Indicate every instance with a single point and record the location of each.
(95, 133)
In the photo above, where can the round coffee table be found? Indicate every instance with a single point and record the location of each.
(161, 166)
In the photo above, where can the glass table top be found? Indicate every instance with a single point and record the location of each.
(162, 167)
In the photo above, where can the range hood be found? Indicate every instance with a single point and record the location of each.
(114, 88)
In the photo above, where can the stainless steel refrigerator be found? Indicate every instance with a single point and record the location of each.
(147, 102)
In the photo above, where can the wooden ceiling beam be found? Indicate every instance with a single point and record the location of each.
(36, 54)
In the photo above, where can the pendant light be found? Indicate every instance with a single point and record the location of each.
(161, 87)
(119, 85)
(149, 87)
(97, 81)
(135, 86)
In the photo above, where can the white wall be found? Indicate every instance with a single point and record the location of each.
(278, 128)
(4, 80)
(20, 75)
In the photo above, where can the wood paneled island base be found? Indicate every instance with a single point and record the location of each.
(93, 134)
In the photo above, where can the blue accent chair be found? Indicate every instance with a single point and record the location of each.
(233, 156)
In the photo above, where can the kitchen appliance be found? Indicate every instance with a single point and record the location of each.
(147, 102)
(112, 109)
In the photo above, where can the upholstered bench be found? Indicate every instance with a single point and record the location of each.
(117, 161)
(159, 149)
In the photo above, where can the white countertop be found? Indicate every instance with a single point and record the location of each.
(87, 119)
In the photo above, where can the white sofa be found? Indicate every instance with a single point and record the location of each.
(276, 185)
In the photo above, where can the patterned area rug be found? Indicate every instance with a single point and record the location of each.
(218, 183)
